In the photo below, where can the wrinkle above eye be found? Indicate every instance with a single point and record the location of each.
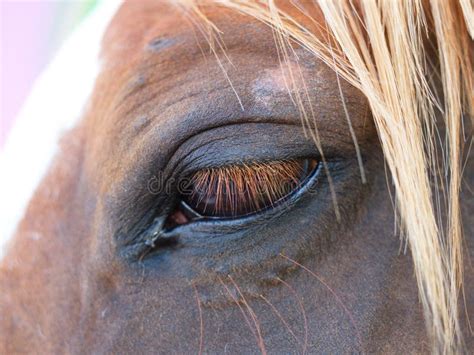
(181, 98)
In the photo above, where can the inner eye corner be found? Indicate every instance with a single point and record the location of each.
(239, 190)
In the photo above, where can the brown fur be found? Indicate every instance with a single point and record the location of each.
(66, 287)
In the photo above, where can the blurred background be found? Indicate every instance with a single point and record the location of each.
(31, 32)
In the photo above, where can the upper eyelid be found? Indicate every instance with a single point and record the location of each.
(244, 142)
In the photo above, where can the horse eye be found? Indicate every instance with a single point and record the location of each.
(240, 190)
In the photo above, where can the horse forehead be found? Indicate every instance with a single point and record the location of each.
(156, 24)
(156, 71)
(146, 61)
(277, 79)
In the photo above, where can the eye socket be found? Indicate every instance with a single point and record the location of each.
(239, 190)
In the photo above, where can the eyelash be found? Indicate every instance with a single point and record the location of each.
(235, 191)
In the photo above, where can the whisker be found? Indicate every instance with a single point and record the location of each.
(261, 343)
(201, 321)
(338, 299)
(275, 310)
(303, 313)
(241, 309)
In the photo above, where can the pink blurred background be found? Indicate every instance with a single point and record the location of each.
(31, 32)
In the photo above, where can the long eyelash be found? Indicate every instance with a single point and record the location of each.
(253, 185)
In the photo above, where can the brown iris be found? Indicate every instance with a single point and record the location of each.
(239, 190)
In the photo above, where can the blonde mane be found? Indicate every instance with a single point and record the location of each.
(381, 47)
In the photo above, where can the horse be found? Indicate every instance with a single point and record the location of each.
(228, 188)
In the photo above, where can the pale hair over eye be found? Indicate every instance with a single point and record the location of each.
(381, 48)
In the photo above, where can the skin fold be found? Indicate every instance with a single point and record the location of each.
(79, 276)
